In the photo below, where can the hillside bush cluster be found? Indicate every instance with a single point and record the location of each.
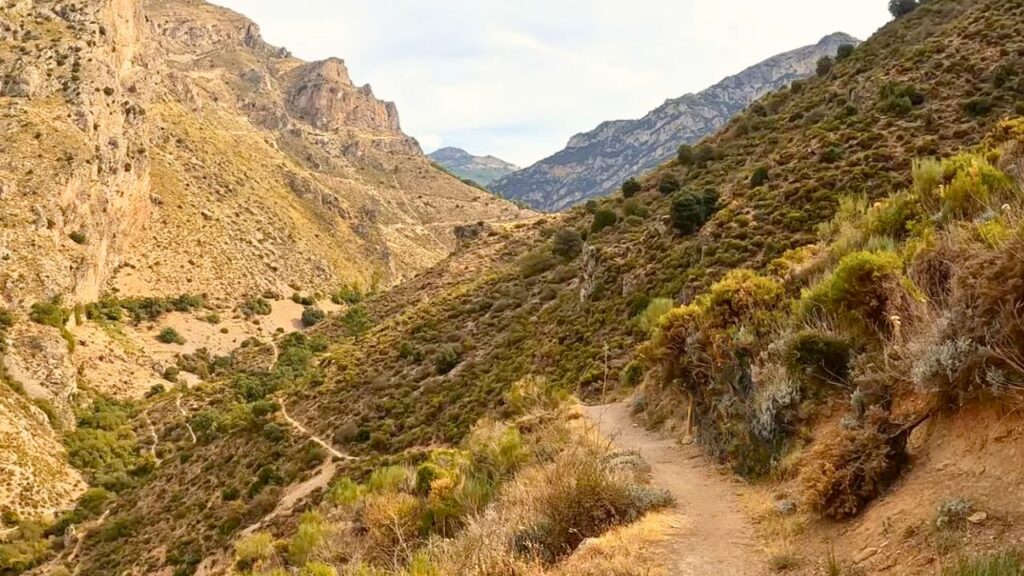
(901, 296)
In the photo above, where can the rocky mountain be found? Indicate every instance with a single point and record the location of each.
(597, 162)
(161, 147)
(480, 169)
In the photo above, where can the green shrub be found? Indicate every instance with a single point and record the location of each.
(818, 359)
(312, 534)
(303, 300)
(668, 184)
(311, 316)
(900, 8)
(978, 106)
(705, 153)
(603, 218)
(255, 307)
(634, 208)
(448, 357)
(49, 314)
(78, 237)
(900, 98)
(347, 295)
(858, 291)
(567, 243)
(844, 52)
(536, 262)
(658, 307)
(686, 155)
(824, 66)
(631, 188)
(690, 210)
(759, 177)
(254, 548)
(170, 336)
(388, 479)
(344, 492)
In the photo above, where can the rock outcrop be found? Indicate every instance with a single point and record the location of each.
(597, 162)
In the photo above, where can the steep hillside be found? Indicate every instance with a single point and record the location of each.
(154, 149)
(819, 294)
(597, 162)
(480, 169)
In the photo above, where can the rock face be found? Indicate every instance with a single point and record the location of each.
(597, 162)
(480, 169)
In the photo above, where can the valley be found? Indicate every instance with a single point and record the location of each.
(250, 329)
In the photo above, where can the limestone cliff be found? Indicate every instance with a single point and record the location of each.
(158, 147)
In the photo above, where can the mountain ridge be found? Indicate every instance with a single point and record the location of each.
(596, 162)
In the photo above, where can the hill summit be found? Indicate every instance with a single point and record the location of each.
(480, 169)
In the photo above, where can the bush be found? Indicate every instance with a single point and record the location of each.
(898, 98)
(448, 357)
(857, 292)
(312, 534)
(631, 188)
(392, 522)
(900, 8)
(311, 316)
(649, 318)
(633, 208)
(669, 184)
(686, 155)
(818, 359)
(847, 470)
(318, 569)
(759, 177)
(347, 295)
(603, 218)
(844, 52)
(255, 307)
(170, 336)
(49, 314)
(690, 211)
(824, 66)
(536, 262)
(978, 106)
(567, 243)
(78, 237)
(253, 549)
(705, 153)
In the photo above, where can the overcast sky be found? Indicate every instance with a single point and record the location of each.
(518, 78)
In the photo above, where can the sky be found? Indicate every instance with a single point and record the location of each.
(517, 79)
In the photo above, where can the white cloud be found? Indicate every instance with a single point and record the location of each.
(517, 79)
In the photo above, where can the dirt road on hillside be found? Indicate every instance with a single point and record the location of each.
(711, 535)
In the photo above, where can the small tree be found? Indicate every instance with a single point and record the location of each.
(844, 52)
(825, 64)
(311, 316)
(567, 243)
(691, 210)
(603, 218)
(686, 155)
(669, 184)
(900, 8)
(759, 177)
(630, 188)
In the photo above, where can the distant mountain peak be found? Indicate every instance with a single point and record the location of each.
(480, 169)
(595, 163)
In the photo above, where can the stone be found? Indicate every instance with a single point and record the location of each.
(977, 518)
(865, 554)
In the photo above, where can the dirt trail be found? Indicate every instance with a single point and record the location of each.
(710, 535)
(305, 432)
(152, 434)
(181, 410)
